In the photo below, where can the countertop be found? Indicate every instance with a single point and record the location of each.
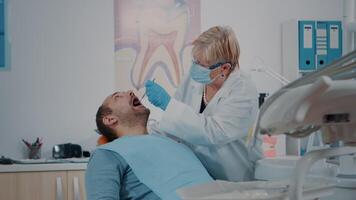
(37, 166)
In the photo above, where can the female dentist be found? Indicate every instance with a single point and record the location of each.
(213, 108)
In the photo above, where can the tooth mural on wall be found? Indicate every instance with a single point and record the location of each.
(153, 40)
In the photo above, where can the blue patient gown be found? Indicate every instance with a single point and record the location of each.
(142, 167)
(108, 176)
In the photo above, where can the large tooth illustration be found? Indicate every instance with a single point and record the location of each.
(153, 38)
(142, 71)
(161, 45)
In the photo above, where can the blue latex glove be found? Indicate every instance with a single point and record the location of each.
(157, 95)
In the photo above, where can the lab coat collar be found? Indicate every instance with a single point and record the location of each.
(223, 91)
(197, 93)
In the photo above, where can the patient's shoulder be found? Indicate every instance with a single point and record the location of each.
(108, 158)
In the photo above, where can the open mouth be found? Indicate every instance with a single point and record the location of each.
(136, 102)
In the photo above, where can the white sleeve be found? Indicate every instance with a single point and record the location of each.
(234, 116)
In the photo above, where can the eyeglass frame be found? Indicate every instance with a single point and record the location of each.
(214, 66)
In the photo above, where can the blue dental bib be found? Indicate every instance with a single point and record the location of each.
(162, 164)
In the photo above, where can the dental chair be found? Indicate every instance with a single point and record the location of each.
(324, 101)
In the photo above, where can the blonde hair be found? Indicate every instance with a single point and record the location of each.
(218, 44)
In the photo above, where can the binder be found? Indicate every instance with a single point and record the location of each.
(2, 36)
(335, 40)
(308, 45)
(306, 40)
(321, 44)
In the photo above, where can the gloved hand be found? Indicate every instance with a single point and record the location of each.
(157, 95)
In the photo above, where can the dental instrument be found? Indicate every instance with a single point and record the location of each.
(144, 94)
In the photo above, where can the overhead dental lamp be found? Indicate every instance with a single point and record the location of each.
(324, 100)
(326, 104)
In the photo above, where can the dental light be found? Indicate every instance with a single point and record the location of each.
(323, 100)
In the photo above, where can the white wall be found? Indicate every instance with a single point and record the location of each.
(62, 62)
(257, 24)
(62, 67)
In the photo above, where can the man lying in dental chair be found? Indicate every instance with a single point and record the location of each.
(135, 165)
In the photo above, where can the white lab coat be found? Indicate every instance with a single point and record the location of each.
(218, 135)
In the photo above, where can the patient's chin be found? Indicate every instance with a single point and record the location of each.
(141, 110)
(146, 112)
(142, 118)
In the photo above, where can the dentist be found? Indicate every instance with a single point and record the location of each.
(213, 108)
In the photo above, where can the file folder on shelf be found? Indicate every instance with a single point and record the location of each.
(306, 45)
(321, 44)
(335, 40)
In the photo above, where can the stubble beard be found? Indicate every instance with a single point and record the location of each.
(135, 119)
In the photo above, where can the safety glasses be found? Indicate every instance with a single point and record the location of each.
(216, 65)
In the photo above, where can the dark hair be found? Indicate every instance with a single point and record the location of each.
(108, 132)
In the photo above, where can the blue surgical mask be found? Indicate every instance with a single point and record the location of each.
(201, 74)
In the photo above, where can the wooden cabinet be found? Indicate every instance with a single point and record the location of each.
(76, 185)
(40, 185)
(53, 185)
(7, 186)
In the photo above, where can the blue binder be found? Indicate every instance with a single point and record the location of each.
(334, 40)
(321, 44)
(306, 45)
(2, 36)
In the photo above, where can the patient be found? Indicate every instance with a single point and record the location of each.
(135, 165)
